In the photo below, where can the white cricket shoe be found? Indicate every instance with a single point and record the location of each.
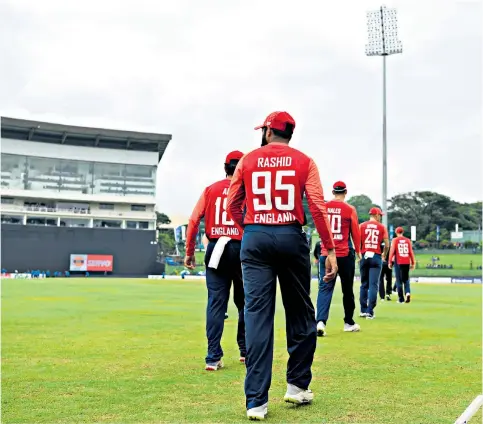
(214, 366)
(298, 396)
(321, 329)
(363, 314)
(258, 413)
(352, 328)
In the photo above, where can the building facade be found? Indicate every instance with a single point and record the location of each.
(77, 179)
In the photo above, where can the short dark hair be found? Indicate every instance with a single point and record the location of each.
(287, 134)
(230, 167)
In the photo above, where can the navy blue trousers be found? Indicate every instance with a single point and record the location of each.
(218, 283)
(346, 265)
(402, 279)
(370, 271)
(269, 252)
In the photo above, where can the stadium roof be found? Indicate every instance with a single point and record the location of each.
(45, 132)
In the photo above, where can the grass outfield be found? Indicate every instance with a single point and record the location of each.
(460, 262)
(132, 351)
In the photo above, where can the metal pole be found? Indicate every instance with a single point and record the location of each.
(384, 144)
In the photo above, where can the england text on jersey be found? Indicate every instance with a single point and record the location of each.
(273, 218)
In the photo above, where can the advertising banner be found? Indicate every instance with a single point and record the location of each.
(466, 280)
(94, 263)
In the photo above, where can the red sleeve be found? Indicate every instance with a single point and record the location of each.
(411, 253)
(315, 199)
(355, 231)
(194, 223)
(392, 251)
(236, 197)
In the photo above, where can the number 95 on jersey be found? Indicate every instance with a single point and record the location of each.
(274, 196)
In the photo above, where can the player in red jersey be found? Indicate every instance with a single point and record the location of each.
(373, 234)
(402, 252)
(344, 226)
(219, 276)
(273, 179)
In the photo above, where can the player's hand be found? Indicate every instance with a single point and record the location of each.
(412, 267)
(190, 262)
(390, 266)
(359, 257)
(330, 266)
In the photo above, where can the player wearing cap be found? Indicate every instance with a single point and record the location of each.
(222, 260)
(273, 179)
(373, 234)
(402, 252)
(344, 225)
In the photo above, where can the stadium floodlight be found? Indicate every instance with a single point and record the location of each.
(383, 41)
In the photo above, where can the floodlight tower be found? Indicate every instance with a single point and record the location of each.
(383, 41)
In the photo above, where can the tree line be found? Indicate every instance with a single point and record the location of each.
(426, 210)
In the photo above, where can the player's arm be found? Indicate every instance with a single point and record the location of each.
(315, 200)
(193, 226)
(235, 201)
(356, 232)
(392, 253)
(411, 255)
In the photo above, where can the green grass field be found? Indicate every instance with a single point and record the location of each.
(132, 351)
(461, 265)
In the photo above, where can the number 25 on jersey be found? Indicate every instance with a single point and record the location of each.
(262, 182)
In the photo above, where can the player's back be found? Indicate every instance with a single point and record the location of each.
(373, 234)
(217, 223)
(340, 216)
(403, 250)
(275, 177)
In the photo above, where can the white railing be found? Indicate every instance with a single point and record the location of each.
(33, 210)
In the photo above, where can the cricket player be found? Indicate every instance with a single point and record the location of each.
(373, 234)
(344, 225)
(386, 272)
(222, 261)
(273, 179)
(402, 252)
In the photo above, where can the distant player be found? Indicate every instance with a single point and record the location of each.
(344, 226)
(212, 206)
(386, 273)
(403, 256)
(373, 234)
(273, 180)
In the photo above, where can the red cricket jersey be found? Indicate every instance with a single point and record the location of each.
(402, 249)
(344, 223)
(373, 233)
(211, 206)
(273, 180)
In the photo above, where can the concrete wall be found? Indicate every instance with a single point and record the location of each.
(26, 247)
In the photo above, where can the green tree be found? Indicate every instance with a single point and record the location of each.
(427, 210)
(166, 241)
(363, 204)
(162, 218)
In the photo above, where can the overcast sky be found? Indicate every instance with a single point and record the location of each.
(209, 71)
